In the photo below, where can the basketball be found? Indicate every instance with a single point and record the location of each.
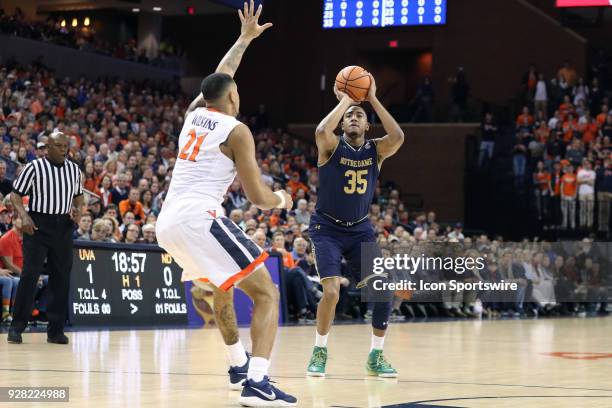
(354, 81)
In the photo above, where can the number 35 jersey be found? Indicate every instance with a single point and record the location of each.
(347, 181)
(202, 173)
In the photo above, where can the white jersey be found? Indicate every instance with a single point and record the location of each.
(191, 225)
(202, 174)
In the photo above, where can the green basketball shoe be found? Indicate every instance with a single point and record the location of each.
(378, 366)
(316, 366)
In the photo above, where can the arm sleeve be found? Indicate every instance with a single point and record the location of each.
(23, 183)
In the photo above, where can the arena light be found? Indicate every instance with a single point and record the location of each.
(75, 22)
(86, 22)
(135, 10)
(156, 8)
(63, 23)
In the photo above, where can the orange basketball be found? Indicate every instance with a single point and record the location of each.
(354, 81)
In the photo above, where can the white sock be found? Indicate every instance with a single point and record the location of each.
(377, 342)
(258, 368)
(237, 354)
(321, 340)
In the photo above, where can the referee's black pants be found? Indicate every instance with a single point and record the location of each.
(51, 241)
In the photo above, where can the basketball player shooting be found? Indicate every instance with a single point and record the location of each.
(348, 169)
(213, 147)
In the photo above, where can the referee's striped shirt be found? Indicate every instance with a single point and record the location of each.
(51, 187)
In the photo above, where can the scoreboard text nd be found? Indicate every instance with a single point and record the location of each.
(382, 13)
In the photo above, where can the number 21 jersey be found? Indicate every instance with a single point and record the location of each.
(202, 173)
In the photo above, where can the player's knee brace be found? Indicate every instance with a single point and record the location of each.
(380, 315)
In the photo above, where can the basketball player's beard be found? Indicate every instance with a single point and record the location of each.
(355, 137)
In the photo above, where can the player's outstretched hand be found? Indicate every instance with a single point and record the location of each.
(372, 90)
(250, 21)
(288, 199)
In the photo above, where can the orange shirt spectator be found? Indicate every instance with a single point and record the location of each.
(568, 185)
(565, 109)
(542, 133)
(92, 184)
(589, 132)
(296, 184)
(525, 116)
(278, 245)
(288, 260)
(133, 204)
(569, 127)
(36, 107)
(542, 179)
(569, 74)
(11, 247)
(601, 119)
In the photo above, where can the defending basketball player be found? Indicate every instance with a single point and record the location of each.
(348, 169)
(213, 147)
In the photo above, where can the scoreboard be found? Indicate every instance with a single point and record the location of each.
(382, 13)
(584, 3)
(115, 284)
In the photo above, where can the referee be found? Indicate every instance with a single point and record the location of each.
(55, 187)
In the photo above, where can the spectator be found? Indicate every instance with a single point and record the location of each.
(120, 190)
(5, 185)
(586, 178)
(489, 132)
(457, 233)
(604, 195)
(148, 234)
(302, 215)
(83, 231)
(133, 205)
(541, 180)
(131, 234)
(11, 264)
(11, 166)
(128, 219)
(541, 95)
(568, 198)
(99, 231)
(568, 74)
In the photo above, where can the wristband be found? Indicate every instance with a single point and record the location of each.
(282, 197)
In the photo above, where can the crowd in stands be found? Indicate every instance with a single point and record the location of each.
(562, 150)
(124, 135)
(83, 38)
(552, 279)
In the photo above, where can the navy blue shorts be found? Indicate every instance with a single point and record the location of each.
(331, 243)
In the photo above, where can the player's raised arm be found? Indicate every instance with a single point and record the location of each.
(249, 30)
(326, 139)
(241, 143)
(389, 144)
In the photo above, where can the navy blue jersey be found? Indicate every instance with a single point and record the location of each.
(347, 182)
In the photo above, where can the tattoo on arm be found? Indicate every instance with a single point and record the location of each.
(230, 62)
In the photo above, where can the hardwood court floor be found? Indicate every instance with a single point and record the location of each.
(458, 364)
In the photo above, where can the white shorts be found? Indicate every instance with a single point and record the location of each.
(209, 249)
